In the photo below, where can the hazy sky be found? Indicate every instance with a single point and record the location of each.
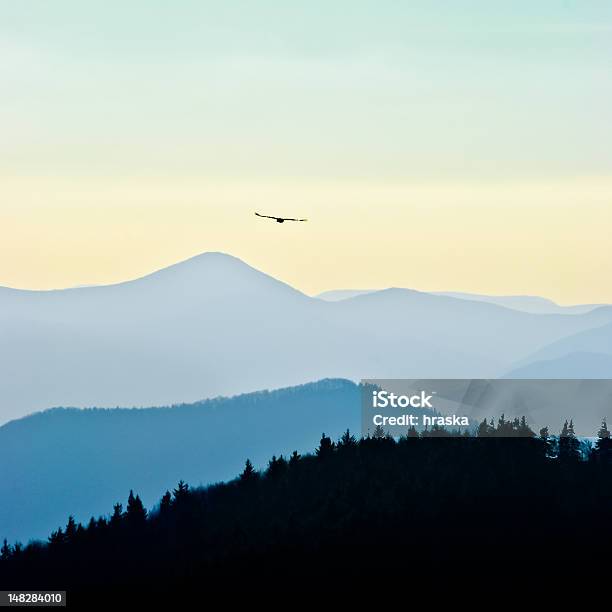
(459, 145)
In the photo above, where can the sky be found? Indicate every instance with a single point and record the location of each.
(459, 145)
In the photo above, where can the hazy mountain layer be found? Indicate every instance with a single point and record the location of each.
(215, 326)
(525, 303)
(572, 365)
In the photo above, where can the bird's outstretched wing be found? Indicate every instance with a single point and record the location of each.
(279, 218)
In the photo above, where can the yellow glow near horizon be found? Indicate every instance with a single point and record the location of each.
(550, 238)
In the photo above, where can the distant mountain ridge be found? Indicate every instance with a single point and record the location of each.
(572, 365)
(213, 325)
(337, 295)
(593, 341)
(524, 303)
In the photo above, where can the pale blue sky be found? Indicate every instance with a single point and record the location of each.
(309, 89)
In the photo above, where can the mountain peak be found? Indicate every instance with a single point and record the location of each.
(218, 271)
(207, 258)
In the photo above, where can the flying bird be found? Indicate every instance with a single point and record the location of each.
(279, 219)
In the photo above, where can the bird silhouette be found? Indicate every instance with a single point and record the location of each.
(279, 219)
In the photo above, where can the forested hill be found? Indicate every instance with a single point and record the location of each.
(357, 506)
(82, 461)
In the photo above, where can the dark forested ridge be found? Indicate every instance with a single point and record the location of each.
(358, 506)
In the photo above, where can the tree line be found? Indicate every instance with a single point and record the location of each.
(503, 493)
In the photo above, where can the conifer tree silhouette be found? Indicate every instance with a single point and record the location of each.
(276, 467)
(71, 529)
(547, 443)
(347, 440)
(326, 447)
(485, 430)
(524, 431)
(57, 539)
(294, 459)
(602, 453)
(135, 513)
(165, 503)
(181, 493)
(5, 551)
(569, 446)
(604, 432)
(117, 516)
(379, 432)
(248, 474)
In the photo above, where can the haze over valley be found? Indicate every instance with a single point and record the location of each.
(213, 325)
